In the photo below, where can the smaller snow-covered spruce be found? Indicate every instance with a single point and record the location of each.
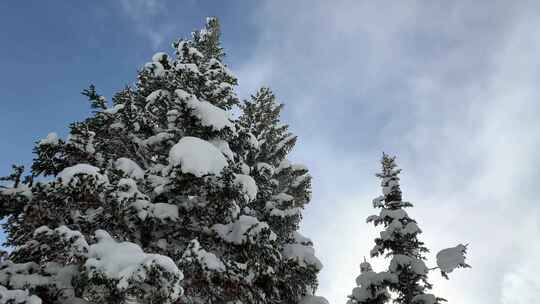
(407, 274)
(162, 197)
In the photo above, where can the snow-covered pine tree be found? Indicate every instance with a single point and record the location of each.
(146, 201)
(407, 274)
(284, 189)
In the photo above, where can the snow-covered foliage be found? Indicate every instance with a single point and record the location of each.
(407, 273)
(51, 139)
(195, 253)
(371, 286)
(75, 271)
(162, 197)
(75, 173)
(304, 255)
(17, 296)
(245, 229)
(247, 185)
(129, 167)
(210, 115)
(131, 269)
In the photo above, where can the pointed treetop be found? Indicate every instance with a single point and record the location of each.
(389, 179)
(365, 266)
(262, 107)
(207, 40)
(96, 101)
(388, 166)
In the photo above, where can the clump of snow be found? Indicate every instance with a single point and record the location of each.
(191, 51)
(247, 185)
(223, 146)
(403, 261)
(309, 299)
(411, 228)
(188, 67)
(127, 263)
(219, 67)
(182, 95)
(164, 211)
(244, 168)
(17, 296)
(207, 259)
(281, 144)
(114, 109)
(262, 167)
(129, 191)
(252, 140)
(21, 275)
(129, 167)
(158, 138)
(378, 201)
(158, 94)
(282, 197)
(451, 258)
(43, 229)
(159, 56)
(299, 167)
(172, 115)
(373, 218)
(155, 68)
(300, 179)
(285, 212)
(371, 285)
(284, 164)
(393, 213)
(70, 173)
(389, 184)
(117, 126)
(245, 229)
(51, 139)
(158, 183)
(209, 114)
(274, 210)
(78, 244)
(301, 239)
(22, 189)
(303, 254)
(197, 156)
(424, 299)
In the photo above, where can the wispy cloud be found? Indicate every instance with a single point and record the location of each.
(143, 15)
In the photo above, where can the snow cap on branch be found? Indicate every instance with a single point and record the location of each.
(197, 156)
(451, 258)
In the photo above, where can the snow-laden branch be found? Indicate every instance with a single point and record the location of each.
(451, 258)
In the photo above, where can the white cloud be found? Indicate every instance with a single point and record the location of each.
(452, 89)
(139, 8)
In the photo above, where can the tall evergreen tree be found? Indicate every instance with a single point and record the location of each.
(407, 274)
(150, 200)
(284, 189)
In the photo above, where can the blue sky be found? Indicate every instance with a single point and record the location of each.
(450, 87)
